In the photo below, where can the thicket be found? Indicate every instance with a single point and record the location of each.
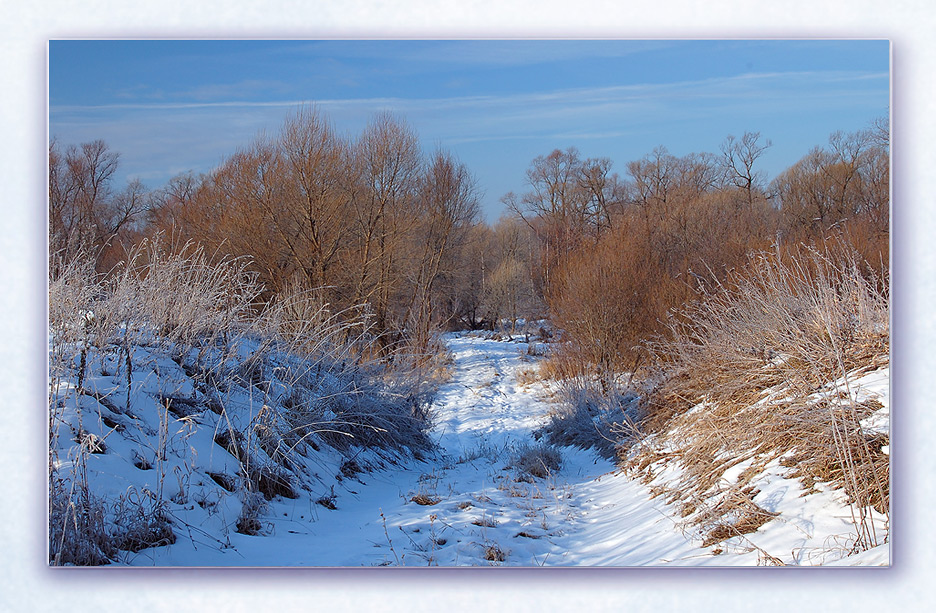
(616, 254)
(373, 222)
(370, 222)
(710, 318)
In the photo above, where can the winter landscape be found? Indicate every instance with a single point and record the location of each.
(319, 352)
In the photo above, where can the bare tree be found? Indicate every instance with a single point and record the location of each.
(503, 293)
(238, 211)
(652, 179)
(832, 185)
(603, 189)
(739, 157)
(570, 200)
(511, 288)
(84, 211)
(168, 206)
(448, 207)
(388, 161)
(314, 212)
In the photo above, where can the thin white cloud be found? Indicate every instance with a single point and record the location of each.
(753, 84)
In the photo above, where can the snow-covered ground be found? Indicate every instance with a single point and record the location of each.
(466, 505)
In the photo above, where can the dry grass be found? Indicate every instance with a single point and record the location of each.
(426, 499)
(493, 553)
(734, 514)
(754, 361)
(79, 534)
(528, 376)
(139, 524)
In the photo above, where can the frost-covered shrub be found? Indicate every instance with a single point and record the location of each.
(253, 505)
(536, 460)
(140, 522)
(589, 414)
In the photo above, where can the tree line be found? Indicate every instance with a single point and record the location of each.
(617, 254)
(374, 227)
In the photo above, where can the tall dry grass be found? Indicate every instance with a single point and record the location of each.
(759, 369)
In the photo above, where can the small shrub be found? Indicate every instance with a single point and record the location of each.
(271, 481)
(328, 500)
(493, 553)
(350, 468)
(232, 442)
(92, 443)
(589, 415)
(227, 482)
(140, 524)
(527, 376)
(537, 460)
(141, 462)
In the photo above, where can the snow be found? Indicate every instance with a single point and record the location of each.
(484, 511)
(874, 386)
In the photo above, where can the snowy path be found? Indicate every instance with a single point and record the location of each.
(482, 514)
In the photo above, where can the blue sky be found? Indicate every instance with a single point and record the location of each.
(177, 105)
